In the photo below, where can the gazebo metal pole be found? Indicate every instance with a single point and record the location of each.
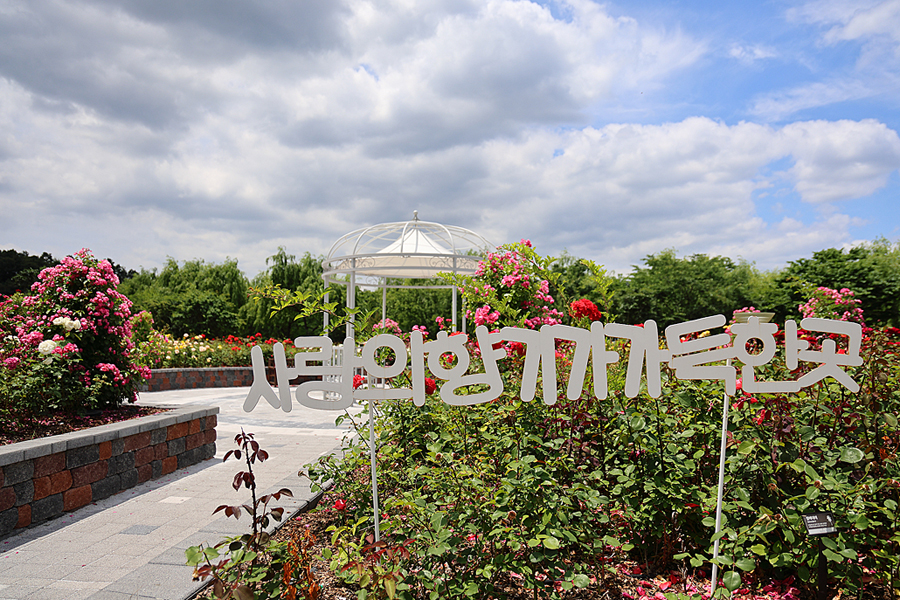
(384, 299)
(324, 313)
(351, 299)
(454, 308)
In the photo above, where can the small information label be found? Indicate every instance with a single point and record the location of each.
(820, 523)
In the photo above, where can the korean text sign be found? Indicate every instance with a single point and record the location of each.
(697, 358)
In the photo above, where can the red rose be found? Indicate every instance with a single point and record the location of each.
(430, 386)
(358, 380)
(585, 308)
(340, 503)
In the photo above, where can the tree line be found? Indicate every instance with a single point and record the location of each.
(196, 297)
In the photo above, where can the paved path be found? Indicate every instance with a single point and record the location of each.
(131, 546)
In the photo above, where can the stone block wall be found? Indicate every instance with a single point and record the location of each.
(180, 379)
(42, 479)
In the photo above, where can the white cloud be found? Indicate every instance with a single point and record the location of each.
(152, 129)
(750, 54)
(874, 27)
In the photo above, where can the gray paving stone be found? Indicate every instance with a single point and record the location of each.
(161, 581)
(139, 529)
(106, 594)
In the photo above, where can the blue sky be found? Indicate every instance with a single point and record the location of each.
(216, 129)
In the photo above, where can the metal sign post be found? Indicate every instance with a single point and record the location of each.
(744, 317)
(818, 525)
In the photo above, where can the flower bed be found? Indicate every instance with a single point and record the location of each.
(43, 478)
(158, 350)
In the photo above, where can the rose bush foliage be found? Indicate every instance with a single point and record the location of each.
(67, 345)
(553, 497)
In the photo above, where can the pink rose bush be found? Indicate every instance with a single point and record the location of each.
(68, 345)
(826, 303)
(510, 287)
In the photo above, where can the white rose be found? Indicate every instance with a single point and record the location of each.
(59, 321)
(77, 325)
(47, 346)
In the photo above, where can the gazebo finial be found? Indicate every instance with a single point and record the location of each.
(415, 215)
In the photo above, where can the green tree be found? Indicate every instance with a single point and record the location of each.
(286, 271)
(871, 271)
(193, 298)
(581, 278)
(18, 270)
(670, 290)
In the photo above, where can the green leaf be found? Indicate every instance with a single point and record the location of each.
(390, 586)
(638, 422)
(582, 580)
(832, 555)
(194, 555)
(746, 447)
(758, 549)
(551, 542)
(745, 564)
(890, 419)
(732, 580)
(211, 553)
(851, 455)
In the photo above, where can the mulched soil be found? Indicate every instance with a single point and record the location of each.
(20, 426)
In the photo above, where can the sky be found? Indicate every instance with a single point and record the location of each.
(216, 129)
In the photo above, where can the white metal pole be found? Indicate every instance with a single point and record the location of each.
(722, 449)
(372, 459)
(453, 309)
(351, 299)
(384, 301)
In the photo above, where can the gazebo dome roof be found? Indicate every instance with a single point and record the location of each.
(406, 250)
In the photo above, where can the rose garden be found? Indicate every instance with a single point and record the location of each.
(602, 491)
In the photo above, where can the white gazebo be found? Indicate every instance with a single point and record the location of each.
(414, 249)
